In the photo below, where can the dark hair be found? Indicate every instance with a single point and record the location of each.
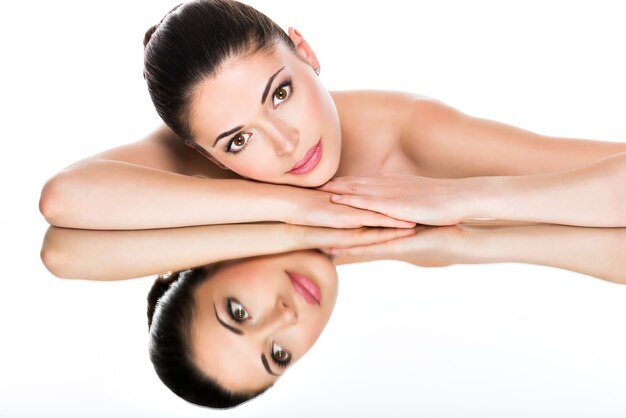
(171, 309)
(191, 43)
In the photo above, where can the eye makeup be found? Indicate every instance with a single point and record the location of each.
(237, 311)
(281, 357)
(231, 147)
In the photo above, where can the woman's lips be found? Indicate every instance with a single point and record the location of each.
(305, 288)
(309, 161)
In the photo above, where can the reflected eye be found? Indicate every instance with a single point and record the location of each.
(237, 311)
(238, 142)
(281, 357)
(282, 93)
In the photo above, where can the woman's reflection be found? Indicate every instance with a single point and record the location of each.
(224, 333)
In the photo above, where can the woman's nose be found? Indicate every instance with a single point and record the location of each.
(282, 315)
(283, 136)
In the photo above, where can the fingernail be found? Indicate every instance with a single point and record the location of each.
(335, 197)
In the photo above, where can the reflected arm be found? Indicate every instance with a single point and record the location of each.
(115, 255)
(598, 252)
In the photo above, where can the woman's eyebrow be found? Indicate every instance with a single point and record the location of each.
(267, 365)
(269, 84)
(240, 332)
(263, 98)
(225, 325)
(224, 134)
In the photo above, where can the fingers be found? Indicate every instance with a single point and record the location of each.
(373, 203)
(371, 250)
(368, 236)
(350, 185)
(378, 219)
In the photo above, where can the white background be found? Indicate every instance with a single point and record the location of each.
(466, 341)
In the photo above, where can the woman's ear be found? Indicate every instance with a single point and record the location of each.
(304, 49)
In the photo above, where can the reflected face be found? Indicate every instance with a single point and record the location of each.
(267, 117)
(256, 318)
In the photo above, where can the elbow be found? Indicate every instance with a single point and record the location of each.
(53, 261)
(50, 204)
(55, 201)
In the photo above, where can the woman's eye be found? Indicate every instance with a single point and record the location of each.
(282, 93)
(237, 143)
(237, 311)
(281, 357)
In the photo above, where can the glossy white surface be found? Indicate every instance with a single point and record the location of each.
(505, 340)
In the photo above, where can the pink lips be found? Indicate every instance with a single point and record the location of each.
(305, 288)
(309, 161)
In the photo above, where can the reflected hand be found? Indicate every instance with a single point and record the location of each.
(430, 246)
(325, 238)
(423, 200)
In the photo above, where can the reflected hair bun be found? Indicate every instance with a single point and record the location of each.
(159, 287)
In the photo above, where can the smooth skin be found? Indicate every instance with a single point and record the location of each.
(403, 159)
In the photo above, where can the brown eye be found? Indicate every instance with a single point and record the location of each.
(237, 311)
(282, 93)
(281, 357)
(238, 142)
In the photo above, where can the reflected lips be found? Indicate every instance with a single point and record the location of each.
(309, 161)
(305, 288)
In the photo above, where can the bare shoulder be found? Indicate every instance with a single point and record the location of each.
(164, 150)
(377, 100)
(393, 109)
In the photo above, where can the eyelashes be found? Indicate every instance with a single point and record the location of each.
(280, 357)
(280, 96)
(239, 314)
(236, 311)
(283, 92)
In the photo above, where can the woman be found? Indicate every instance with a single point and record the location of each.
(446, 166)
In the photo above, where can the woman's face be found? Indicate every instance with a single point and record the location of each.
(267, 117)
(256, 318)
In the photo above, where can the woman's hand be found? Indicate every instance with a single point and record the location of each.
(309, 237)
(314, 208)
(429, 246)
(412, 198)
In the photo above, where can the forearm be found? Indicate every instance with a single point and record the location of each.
(592, 195)
(107, 194)
(558, 246)
(115, 255)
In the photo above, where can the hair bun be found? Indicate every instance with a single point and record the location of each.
(148, 35)
(159, 287)
(149, 32)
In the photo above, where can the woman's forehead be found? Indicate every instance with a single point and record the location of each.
(221, 101)
(233, 360)
(258, 62)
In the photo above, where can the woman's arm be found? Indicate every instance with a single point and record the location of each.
(558, 246)
(153, 184)
(591, 195)
(116, 255)
(446, 143)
